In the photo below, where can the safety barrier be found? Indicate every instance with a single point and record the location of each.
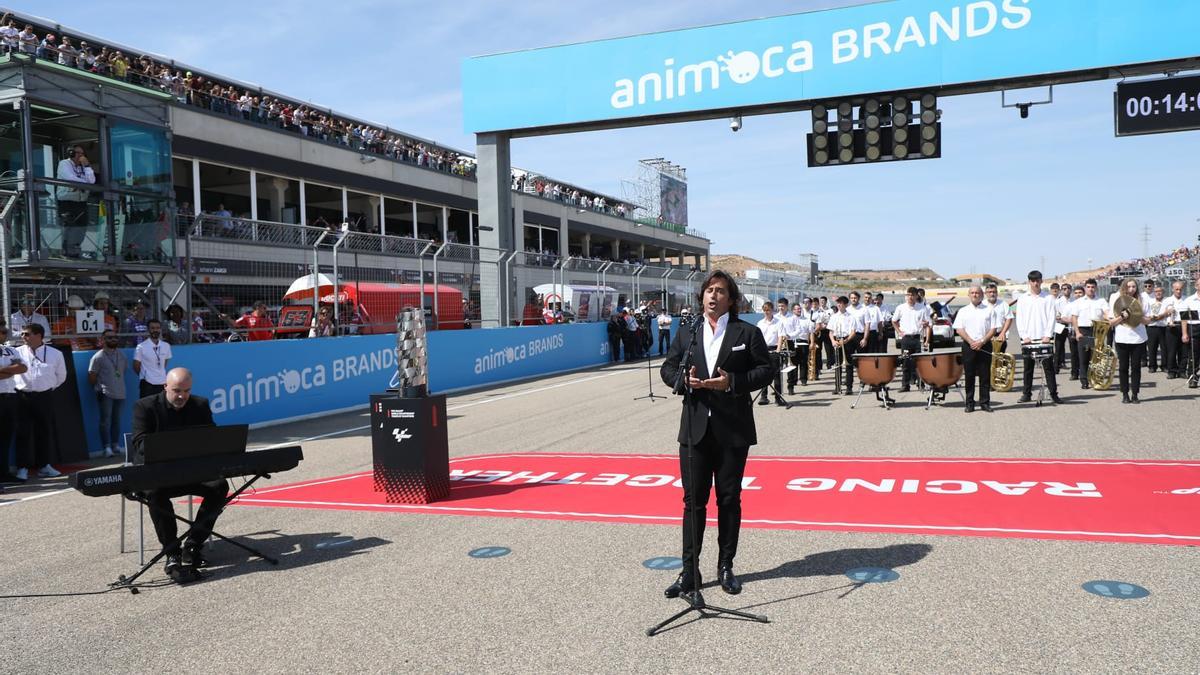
(270, 382)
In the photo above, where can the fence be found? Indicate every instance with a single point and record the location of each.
(334, 281)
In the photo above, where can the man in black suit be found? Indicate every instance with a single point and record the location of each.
(176, 408)
(728, 363)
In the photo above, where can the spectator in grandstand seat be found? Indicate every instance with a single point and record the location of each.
(150, 360)
(28, 40)
(257, 321)
(9, 33)
(135, 327)
(106, 374)
(175, 330)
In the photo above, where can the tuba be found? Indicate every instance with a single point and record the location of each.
(1004, 366)
(1103, 365)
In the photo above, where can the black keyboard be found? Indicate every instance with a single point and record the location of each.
(140, 477)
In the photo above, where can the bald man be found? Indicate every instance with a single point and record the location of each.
(175, 408)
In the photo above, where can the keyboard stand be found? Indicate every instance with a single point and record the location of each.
(122, 580)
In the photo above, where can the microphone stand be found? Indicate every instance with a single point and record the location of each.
(650, 380)
(694, 599)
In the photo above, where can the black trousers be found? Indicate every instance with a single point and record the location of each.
(912, 345)
(630, 350)
(1086, 346)
(34, 428)
(1192, 350)
(800, 360)
(1060, 352)
(1156, 347)
(614, 346)
(1074, 352)
(777, 378)
(1129, 366)
(977, 365)
(711, 461)
(852, 348)
(10, 410)
(1047, 368)
(146, 389)
(162, 512)
(1173, 348)
(664, 341)
(826, 341)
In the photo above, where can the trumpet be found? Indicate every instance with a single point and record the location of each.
(1004, 367)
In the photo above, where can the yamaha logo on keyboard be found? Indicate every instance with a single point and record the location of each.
(102, 480)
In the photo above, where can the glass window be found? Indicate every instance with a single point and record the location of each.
(143, 229)
(398, 217)
(12, 158)
(141, 157)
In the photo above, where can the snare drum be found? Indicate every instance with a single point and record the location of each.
(1038, 351)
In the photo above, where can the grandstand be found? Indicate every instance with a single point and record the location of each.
(212, 193)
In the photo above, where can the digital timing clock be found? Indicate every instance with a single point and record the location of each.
(1157, 106)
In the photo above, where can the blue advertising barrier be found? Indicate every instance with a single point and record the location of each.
(276, 381)
(903, 45)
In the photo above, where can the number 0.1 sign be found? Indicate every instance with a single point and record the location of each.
(89, 321)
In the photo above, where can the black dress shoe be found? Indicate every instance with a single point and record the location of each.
(1085, 385)
(1134, 399)
(1056, 399)
(762, 400)
(791, 391)
(1025, 398)
(905, 389)
(1124, 398)
(1073, 377)
(683, 584)
(985, 407)
(779, 401)
(970, 407)
(729, 582)
(193, 556)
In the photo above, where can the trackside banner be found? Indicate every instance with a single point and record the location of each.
(257, 382)
(904, 45)
(1144, 501)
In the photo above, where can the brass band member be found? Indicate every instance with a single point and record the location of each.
(1190, 358)
(847, 334)
(1076, 296)
(772, 332)
(1176, 360)
(1156, 330)
(912, 322)
(1062, 322)
(1129, 341)
(1086, 311)
(824, 312)
(1035, 325)
(798, 328)
(975, 324)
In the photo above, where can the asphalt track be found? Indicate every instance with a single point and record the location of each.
(382, 592)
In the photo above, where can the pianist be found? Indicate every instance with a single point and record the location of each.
(176, 408)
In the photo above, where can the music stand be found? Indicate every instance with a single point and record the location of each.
(694, 599)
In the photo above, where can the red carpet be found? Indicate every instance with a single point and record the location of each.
(1093, 500)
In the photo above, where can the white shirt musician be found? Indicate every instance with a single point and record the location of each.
(1035, 325)
(1001, 309)
(976, 324)
(771, 327)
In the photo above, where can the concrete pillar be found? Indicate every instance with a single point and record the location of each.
(303, 205)
(277, 198)
(616, 249)
(564, 247)
(373, 218)
(663, 257)
(496, 229)
(682, 261)
(345, 206)
(587, 244)
(253, 194)
(642, 252)
(196, 187)
(445, 224)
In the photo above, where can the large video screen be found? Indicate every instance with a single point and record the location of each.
(672, 200)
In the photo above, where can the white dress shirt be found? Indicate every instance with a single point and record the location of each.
(1035, 316)
(1061, 304)
(712, 341)
(1157, 307)
(771, 329)
(1190, 304)
(9, 357)
(910, 317)
(976, 320)
(1002, 312)
(47, 368)
(19, 321)
(153, 358)
(797, 328)
(1087, 310)
(842, 325)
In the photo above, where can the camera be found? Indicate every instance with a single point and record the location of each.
(735, 123)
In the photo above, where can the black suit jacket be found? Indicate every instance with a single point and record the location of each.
(744, 356)
(152, 414)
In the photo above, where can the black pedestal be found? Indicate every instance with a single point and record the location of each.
(409, 447)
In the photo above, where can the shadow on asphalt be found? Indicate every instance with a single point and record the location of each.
(836, 563)
(293, 551)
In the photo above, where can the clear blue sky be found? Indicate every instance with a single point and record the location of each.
(1057, 185)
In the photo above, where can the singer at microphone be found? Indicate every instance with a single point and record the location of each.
(721, 361)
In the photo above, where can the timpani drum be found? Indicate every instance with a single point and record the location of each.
(876, 370)
(940, 367)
